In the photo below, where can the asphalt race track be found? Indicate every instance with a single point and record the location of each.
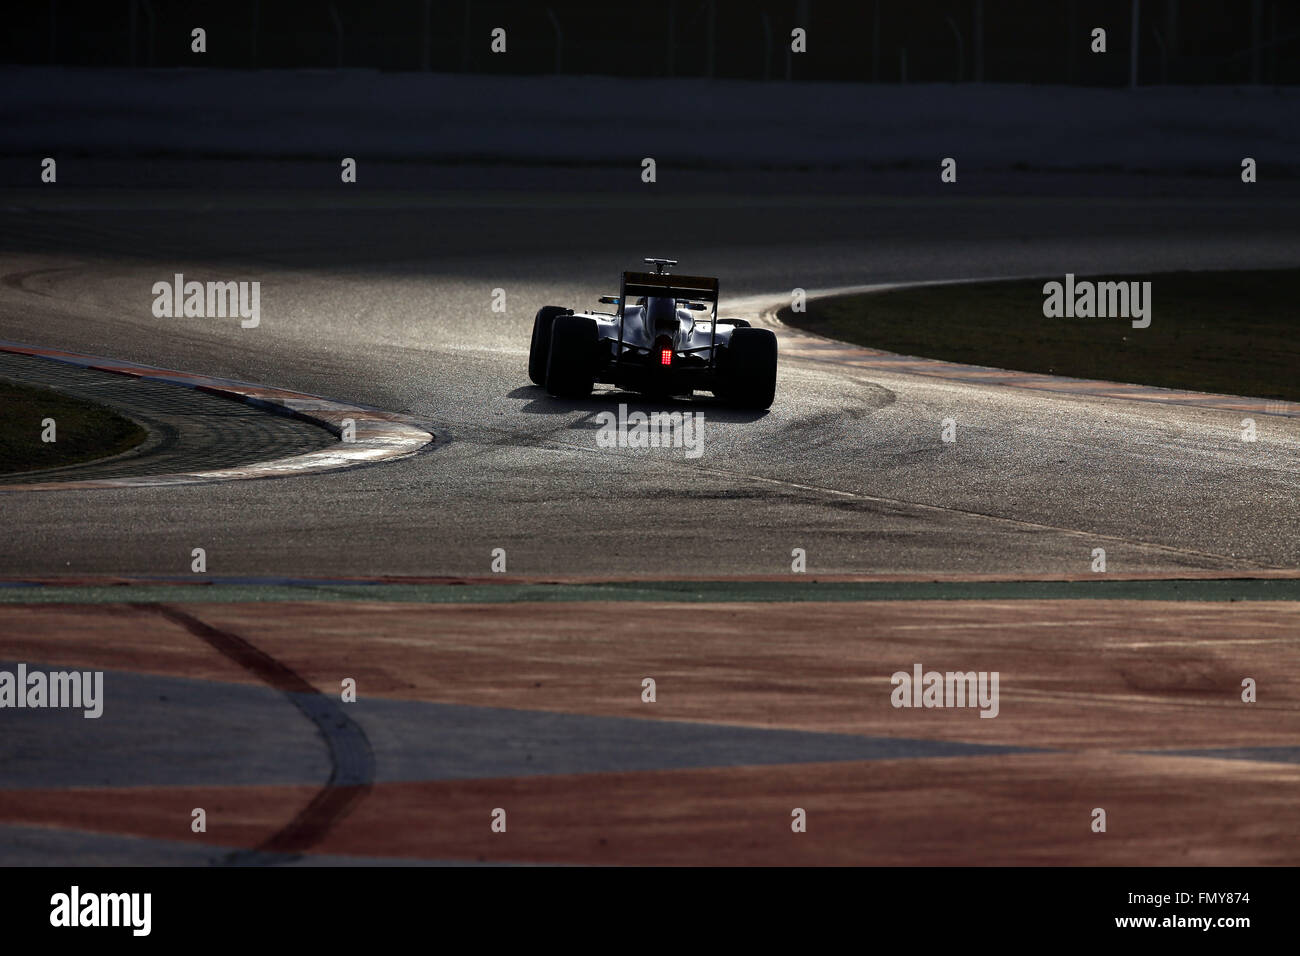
(523, 690)
(385, 300)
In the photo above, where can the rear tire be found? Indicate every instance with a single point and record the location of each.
(572, 363)
(748, 368)
(539, 350)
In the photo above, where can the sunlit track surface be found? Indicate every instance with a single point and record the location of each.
(391, 308)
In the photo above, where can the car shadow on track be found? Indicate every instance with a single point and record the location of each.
(714, 409)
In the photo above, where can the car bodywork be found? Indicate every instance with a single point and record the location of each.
(664, 338)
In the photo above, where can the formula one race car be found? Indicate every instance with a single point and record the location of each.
(665, 339)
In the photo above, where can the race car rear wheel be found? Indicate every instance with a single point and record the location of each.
(540, 348)
(571, 367)
(748, 368)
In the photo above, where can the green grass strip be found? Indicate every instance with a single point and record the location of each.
(1232, 333)
(82, 430)
(1232, 589)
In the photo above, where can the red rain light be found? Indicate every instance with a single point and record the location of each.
(665, 356)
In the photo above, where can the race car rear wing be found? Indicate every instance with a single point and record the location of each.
(701, 288)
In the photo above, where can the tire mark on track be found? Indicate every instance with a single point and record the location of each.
(352, 761)
(511, 438)
(18, 280)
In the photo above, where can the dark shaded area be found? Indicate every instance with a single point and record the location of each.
(307, 232)
(1224, 332)
(887, 41)
(83, 431)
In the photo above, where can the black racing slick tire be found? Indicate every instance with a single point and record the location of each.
(539, 350)
(749, 368)
(572, 364)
